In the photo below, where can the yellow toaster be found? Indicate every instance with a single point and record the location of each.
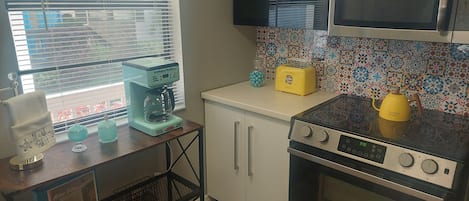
(300, 81)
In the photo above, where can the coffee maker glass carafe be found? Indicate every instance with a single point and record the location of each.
(158, 104)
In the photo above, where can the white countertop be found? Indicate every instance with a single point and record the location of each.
(265, 100)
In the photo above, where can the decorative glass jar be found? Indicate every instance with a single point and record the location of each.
(257, 76)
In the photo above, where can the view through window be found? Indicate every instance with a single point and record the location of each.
(73, 50)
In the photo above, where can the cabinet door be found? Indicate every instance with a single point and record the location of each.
(224, 152)
(267, 158)
(308, 14)
(251, 12)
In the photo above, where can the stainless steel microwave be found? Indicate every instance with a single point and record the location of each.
(423, 20)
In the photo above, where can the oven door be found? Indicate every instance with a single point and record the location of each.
(315, 178)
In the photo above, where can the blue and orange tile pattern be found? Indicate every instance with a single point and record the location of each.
(367, 67)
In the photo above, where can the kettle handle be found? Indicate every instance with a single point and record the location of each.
(416, 98)
(374, 105)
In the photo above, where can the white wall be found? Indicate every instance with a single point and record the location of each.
(7, 65)
(216, 53)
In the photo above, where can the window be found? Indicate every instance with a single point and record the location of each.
(73, 49)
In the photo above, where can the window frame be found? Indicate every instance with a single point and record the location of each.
(91, 120)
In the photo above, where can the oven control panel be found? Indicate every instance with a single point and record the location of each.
(361, 148)
(415, 164)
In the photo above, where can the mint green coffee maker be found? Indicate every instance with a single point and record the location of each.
(150, 100)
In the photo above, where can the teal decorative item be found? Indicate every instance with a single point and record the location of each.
(107, 130)
(77, 133)
(257, 76)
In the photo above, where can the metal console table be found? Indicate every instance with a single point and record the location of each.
(60, 162)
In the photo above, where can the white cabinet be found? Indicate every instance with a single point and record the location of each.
(246, 155)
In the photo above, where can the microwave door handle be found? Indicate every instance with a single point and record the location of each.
(442, 14)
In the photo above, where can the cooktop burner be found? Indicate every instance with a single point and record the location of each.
(437, 133)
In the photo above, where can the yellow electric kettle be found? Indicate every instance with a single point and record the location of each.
(396, 107)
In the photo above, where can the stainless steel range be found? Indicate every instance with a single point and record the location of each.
(342, 150)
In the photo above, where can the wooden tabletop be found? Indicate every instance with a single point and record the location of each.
(60, 161)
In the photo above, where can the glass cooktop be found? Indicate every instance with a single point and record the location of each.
(438, 133)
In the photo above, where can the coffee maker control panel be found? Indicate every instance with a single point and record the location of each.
(163, 76)
(151, 72)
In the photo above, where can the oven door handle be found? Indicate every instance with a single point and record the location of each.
(364, 176)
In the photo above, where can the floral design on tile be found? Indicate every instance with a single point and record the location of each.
(359, 89)
(281, 61)
(283, 36)
(365, 43)
(271, 49)
(293, 51)
(394, 78)
(467, 102)
(346, 57)
(260, 49)
(360, 74)
(396, 62)
(344, 72)
(320, 68)
(416, 65)
(436, 67)
(451, 105)
(438, 72)
(377, 76)
(380, 59)
(330, 70)
(331, 57)
(413, 82)
(333, 42)
(381, 45)
(283, 50)
(305, 53)
(348, 43)
(454, 88)
(296, 36)
(376, 91)
(433, 84)
(459, 70)
(261, 35)
(272, 35)
(430, 101)
(270, 61)
(363, 58)
(345, 87)
(438, 50)
(328, 84)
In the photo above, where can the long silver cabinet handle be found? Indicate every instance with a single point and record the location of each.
(250, 172)
(235, 141)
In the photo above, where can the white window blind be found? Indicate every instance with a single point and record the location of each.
(73, 50)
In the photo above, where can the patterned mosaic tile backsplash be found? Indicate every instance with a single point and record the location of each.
(366, 67)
